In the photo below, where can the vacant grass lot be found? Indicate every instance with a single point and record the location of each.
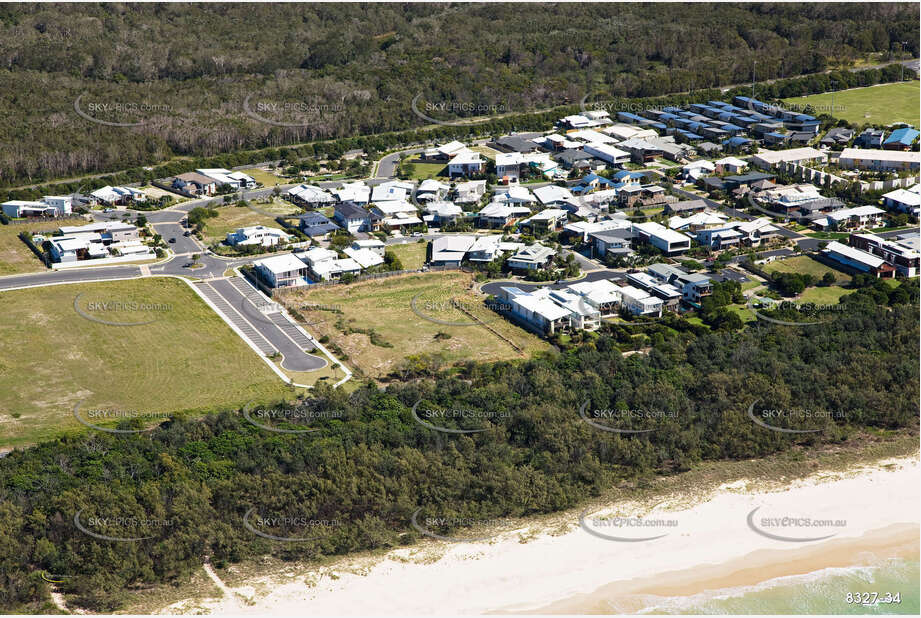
(412, 254)
(15, 256)
(383, 309)
(424, 171)
(231, 218)
(51, 357)
(823, 295)
(267, 178)
(883, 104)
(805, 265)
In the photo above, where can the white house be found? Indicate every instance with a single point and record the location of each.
(352, 217)
(538, 311)
(582, 229)
(237, 180)
(532, 257)
(766, 159)
(515, 195)
(601, 294)
(552, 195)
(118, 195)
(257, 235)
(498, 214)
(850, 219)
(49, 206)
(546, 220)
(108, 231)
(392, 190)
(281, 271)
(356, 192)
(430, 189)
(325, 265)
(371, 244)
(310, 195)
(732, 165)
(469, 192)
(441, 212)
(640, 302)
(879, 160)
(450, 250)
(508, 167)
(366, 258)
(659, 236)
(697, 169)
(590, 136)
(905, 200)
(488, 248)
(466, 163)
(606, 153)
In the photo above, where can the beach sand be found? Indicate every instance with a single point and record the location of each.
(562, 568)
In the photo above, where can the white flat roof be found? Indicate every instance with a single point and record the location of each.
(792, 154)
(855, 254)
(278, 264)
(660, 231)
(544, 307)
(900, 156)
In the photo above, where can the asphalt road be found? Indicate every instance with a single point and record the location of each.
(274, 327)
(75, 275)
(388, 164)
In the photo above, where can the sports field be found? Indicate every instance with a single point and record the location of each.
(884, 104)
(57, 350)
(395, 326)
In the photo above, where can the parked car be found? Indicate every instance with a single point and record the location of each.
(187, 233)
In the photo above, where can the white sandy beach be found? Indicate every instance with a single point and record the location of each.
(566, 570)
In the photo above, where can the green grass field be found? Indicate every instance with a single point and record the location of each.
(829, 235)
(384, 307)
(883, 104)
(823, 295)
(412, 254)
(267, 179)
(51, 357)
(230, 218)
(424, 171)
(15, 256)
(805, 265)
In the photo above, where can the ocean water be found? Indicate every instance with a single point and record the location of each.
(821, 592)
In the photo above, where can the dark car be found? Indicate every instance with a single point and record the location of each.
(187, 233)
(172, 240)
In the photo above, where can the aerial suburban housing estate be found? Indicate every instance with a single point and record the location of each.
(460, 308)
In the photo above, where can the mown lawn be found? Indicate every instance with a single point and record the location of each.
(395, 331)
(805, 265)
(883, 104)
(266, 178)
(424, 171)
(15, 256)
(411, 254)
(823, 295)
(231, 218)
(52, 358)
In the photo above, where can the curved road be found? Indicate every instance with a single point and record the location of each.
(235, 299)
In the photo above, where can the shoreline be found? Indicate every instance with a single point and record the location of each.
(553, 565)
(762, 566)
